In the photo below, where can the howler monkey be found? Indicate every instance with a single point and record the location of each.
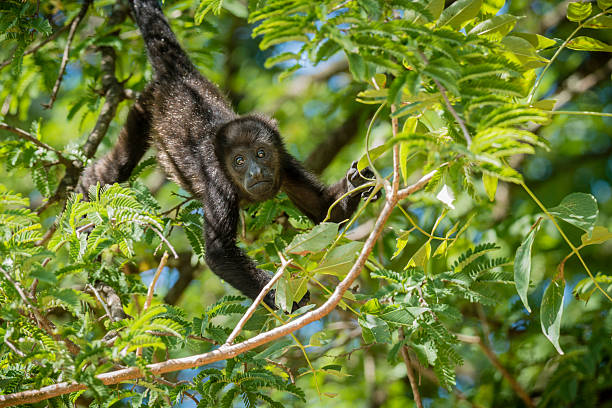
(223, 159)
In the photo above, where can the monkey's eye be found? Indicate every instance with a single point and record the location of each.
(261, 153)
(239, 160)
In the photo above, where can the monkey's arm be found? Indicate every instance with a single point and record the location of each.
(313, 198)
(117, 165)
(225, 259)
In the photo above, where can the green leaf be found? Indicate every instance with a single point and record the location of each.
(604, 4)
(339, 260)
(490, 185)
(522, 265)
(538, 41)
(492, 6)
(458, 13)
(520, 47)
(314, 241)
(374, 329)
(357, 66)
(598, 236)
(551, 312)
(409, 127)
(404, 316)
(578, 11)
(545, 104)
(588, 44)
(601, 22)
(496, 26)
(578, 209)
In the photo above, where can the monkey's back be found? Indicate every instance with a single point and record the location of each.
(186, 113)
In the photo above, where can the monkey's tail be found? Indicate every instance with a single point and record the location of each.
(164, 50)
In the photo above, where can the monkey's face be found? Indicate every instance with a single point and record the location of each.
(251, 157)
(254, 169)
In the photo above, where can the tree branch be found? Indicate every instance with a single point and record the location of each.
(495, 361)
(113, 95)
(37, 46)
(42, 321)
(323, 154)
(73, 26)
(27, 136)
(410, 372)
(257, 301)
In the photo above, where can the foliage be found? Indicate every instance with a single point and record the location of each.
(456, 92)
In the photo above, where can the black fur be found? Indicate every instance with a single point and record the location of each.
(192, 127)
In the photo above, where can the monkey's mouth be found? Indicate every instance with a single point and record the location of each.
(261, 185)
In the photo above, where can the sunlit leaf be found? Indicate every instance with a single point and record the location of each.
(598, 236)
(313, 241)
(579, 10)
(588, 44)
(459, 13)
(578, 209)
(490, 185)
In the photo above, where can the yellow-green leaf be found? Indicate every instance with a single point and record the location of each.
(578, 11)
(459, 13)
(598, 236)
(490, 185)
(588, 44)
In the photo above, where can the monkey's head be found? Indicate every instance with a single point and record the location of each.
(250, 148)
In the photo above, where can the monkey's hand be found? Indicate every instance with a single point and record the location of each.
(356, 178)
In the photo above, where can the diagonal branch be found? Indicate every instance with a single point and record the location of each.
(37, 46)
(495, 361)
(42, 321)
(27, 136)
(73, 26)
(257, 301)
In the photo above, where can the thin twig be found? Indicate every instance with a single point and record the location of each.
(13, 348)
(27, 136)
(73, 26)
(37, 46)
(173, 385)
(102, 302)
(42, 321)
(165, 241)
(284, 368)
(495, 361)
(410, 372)
(149, 299)
(257, 301)
(160, 267)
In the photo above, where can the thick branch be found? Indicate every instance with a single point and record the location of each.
(73, 26)
(323, 154)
